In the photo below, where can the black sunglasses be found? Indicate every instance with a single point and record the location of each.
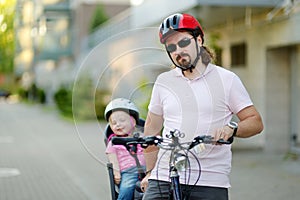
(182, 43)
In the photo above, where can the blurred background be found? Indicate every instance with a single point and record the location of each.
(52, 50)
(73, 56)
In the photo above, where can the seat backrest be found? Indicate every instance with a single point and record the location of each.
(108, 132)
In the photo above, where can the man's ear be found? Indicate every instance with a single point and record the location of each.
(199, 39)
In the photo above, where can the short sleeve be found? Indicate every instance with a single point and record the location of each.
(239, 97)
(110, 148)
(155, 105)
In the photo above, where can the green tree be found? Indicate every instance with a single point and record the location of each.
(7, 11)
(83, 97)
(63, 100)
(98, 18)
(214, 38)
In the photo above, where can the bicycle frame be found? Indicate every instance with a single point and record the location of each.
(175, 184)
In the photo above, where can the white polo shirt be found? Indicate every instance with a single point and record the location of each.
(197, 107)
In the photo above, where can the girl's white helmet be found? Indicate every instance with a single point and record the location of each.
(122, 104)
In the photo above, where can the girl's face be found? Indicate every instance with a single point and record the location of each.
(121, 123)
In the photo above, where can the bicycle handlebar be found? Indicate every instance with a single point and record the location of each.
(144, 141)
(165, 143)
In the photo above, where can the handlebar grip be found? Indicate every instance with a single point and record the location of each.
(229, 141)
(151, 139)
(123, 140)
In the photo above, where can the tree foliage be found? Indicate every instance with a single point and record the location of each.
(98, 18)
(7, 12)
(82, 101)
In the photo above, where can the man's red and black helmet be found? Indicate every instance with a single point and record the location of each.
(179, 22)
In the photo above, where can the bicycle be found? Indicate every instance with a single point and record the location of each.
(177, 160)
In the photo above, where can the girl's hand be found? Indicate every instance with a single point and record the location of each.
(117, 180)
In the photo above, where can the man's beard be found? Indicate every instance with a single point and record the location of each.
(184, 60)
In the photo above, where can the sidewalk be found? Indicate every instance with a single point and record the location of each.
(259, 175)
(43, 157)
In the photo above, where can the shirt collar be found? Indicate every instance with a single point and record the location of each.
(208, 69)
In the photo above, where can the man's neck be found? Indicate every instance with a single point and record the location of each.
(196, 72)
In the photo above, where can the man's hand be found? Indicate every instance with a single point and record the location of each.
(144, 182)
(224, 133)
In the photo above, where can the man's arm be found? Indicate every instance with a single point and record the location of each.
(249, 125)
(153, 126)
(250, 122)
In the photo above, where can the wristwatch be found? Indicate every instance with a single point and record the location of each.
(234, 126)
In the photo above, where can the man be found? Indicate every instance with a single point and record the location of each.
(197, 98)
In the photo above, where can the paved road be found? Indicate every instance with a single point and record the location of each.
(44, 157)
(54, 158)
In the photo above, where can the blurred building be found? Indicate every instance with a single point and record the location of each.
(49, 35)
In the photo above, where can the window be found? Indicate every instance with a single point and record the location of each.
(238, 55)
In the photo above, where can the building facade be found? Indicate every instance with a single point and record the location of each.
(49, 35)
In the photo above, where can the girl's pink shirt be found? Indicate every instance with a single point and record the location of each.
(125, 160)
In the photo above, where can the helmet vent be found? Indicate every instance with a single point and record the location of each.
(175, 19)
(167, 23)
